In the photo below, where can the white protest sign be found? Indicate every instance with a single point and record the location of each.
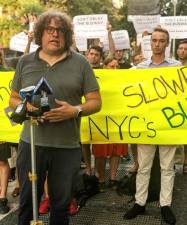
(90, 26)
(120, 38)
(146, 47)
(176, 26)
(81, 43)
(19, 42)
(138, 39)
(145, 22)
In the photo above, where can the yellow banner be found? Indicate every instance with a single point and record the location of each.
(138, 106)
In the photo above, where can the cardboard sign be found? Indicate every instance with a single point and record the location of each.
(19, 42)
(176, 26)
(90, 26)
(120, 38)
(145, 23)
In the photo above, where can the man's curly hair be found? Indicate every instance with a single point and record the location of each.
(44, 20)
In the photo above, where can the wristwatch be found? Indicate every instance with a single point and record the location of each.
(79, 110)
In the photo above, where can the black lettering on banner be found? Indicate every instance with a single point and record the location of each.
(144, 97)
(151, 129)
(90, 121)
(126, 94)
(182, 70)
(132, 119)
(6, 90)
(176, 87)
(120, 131)
(157, 80)
(130, 122)
(175, 84)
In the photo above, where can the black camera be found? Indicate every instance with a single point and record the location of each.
(43, 90)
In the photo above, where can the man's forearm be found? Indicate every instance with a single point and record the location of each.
(91, 106)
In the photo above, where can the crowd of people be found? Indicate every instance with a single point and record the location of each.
(58, 149)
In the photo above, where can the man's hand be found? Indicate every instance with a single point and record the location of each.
(63, 112)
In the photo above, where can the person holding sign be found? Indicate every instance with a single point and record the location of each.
(159, 42)
(57, 136)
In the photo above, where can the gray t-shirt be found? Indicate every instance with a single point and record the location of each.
(70, 79)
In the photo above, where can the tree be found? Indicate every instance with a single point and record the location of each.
(168, 9)
(86, 7)
(8, 24)
(13, 9)
(125, 24)
(12, 12)
(55, 4)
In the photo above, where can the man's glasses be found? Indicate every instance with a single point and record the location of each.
(51, 30)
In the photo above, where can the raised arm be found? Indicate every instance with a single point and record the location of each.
(110, 39)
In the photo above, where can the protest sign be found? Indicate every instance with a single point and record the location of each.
(120, 38)
(138, 106)
(145, 23)
(81, 43)
(176, 26)
(90, 26)
(19, 42)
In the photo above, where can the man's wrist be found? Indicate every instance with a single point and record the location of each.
(79, 111)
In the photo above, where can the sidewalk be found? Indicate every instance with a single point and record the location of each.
(108, 208)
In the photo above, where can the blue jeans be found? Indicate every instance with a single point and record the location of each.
(62, 166)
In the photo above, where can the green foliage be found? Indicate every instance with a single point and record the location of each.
(8, 27)
(10, 23)
(167, 8)
(55, 4)
(32, 8)
(89, 7)
(8, 2)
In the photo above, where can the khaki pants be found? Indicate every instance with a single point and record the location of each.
(145, 159)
